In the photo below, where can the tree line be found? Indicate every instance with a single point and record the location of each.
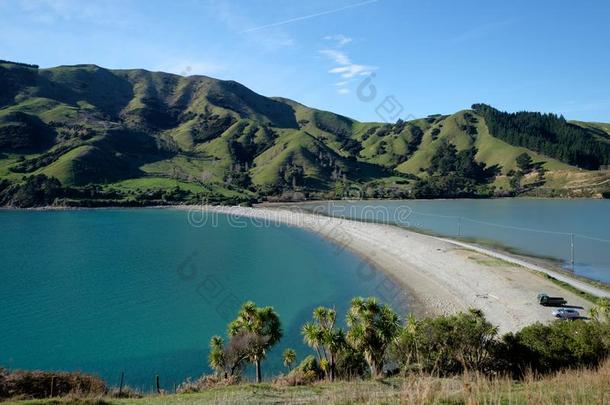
(548, 134)
(41, 190)
(19, 64)
(454, 173)
(376, 343)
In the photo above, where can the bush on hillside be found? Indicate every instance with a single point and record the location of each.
(447, 344)
(547, 348)
(205, 382)
(454, 173)
(297, 377)
(307, 372)
(44, 384)
(37, 190)
(351, 364)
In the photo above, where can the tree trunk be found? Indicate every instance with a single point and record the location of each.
(258, 370)
(319, 354)
(374, 371)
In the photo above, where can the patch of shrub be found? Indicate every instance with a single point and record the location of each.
(125, 392)
(44, 384)
(447, 344)
(307, 372)
(351, 364)
(35, 191)
(311, 365)
(205, 382)
(547, 348)
(297, 377)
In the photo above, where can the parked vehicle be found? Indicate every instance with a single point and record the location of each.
(566, 313)
(547, 301)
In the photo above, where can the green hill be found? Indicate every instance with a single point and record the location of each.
(133, 134)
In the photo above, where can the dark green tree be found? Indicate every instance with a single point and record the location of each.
(524, 163)
(289, 357)
(455, 174)
(447, 344)
(263, 323)
(372, 328)
(515, 181)
(548, 134)
(326, 339)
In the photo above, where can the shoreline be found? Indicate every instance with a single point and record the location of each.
(386, 263)
(540, 263)
(439, 275)
(543, 264)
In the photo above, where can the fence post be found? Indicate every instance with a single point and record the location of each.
(121, 384)
(459, 226)
(572, 250)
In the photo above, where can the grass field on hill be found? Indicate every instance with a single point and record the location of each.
(566, 387)
(86, 125)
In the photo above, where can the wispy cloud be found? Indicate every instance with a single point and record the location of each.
(102, 12)
(340, 39)
(336, 56)
(346, 69)
(235, 20)
(307, 17)
(481, 31)
(352, 70)
(342, 83)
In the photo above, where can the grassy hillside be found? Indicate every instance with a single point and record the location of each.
(490, 150)
(566, 387)
(86, 125)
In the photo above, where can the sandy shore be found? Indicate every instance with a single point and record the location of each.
(438, 275)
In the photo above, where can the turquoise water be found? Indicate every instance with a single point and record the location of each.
(142, 291)
(546, 228)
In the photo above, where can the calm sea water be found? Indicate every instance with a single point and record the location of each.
(142, 291)
(546, 228)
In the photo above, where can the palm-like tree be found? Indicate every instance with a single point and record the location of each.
(216, 357)
(290, 357)
(324, 338)
(601, 311)
(312, 336)
(594, 313)
(373, 327)
(262, 322)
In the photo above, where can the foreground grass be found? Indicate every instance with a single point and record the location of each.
(567, 387)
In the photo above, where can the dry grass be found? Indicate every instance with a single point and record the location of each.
(566, 387)
(583, 386)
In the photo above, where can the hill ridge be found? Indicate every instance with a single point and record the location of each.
(145, 128)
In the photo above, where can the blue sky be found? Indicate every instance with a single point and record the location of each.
(430, 56)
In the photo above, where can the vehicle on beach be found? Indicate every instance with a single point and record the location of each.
(547, 301)
(566, 313)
